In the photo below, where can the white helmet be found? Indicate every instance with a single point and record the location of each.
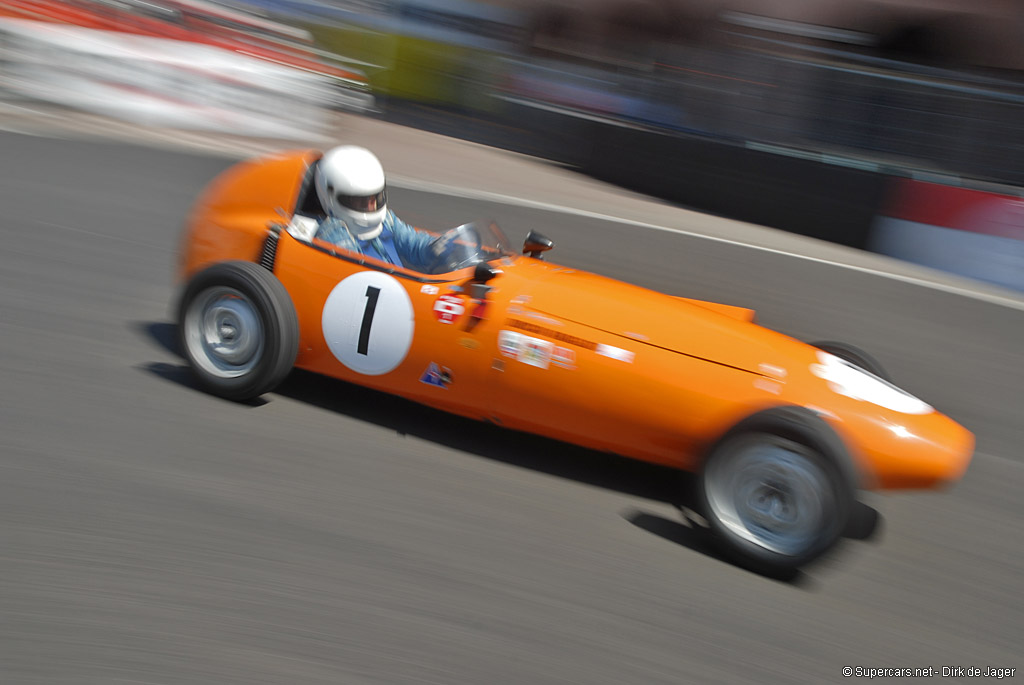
(350, 184)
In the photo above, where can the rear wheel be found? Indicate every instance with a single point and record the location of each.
(238, 329)
(774, 491)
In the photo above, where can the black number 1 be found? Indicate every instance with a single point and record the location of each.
(372, 294)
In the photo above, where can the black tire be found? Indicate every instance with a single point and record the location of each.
(777, 491)
(238, 330)
(855, 356)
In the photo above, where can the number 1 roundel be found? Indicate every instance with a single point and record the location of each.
(368, 322)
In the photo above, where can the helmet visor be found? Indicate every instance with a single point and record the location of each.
(363, 203)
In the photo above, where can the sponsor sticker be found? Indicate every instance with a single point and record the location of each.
(428, 289)
(564, 357)
(616, 353)
(560, 336)
(531, 351)
(542, 318)
(448, 308)
(772, 370)
(768, 385)
(508, 343)
(469, 343)
(436, 375)
(536, 352)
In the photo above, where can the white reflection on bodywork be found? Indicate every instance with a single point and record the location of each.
(900, 431)
(846, 379)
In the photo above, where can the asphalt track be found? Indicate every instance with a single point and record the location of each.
(153, 534)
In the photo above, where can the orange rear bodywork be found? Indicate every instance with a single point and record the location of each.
(566, 353)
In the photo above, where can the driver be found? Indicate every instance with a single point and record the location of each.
(350, 183)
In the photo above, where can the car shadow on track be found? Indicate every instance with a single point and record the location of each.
(690, 532)
(524, 450)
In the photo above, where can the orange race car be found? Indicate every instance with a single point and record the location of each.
(781, 433)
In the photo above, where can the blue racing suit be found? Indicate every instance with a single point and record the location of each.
(398, 242)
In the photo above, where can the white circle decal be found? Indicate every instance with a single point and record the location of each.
(368, 322)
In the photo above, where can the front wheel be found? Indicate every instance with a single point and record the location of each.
(238, 330)
(774, 496)
(855, 356)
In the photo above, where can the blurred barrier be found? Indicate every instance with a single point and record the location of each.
(973, 233)
(882, 112)
(806, 140)
(156, 81)
(968, 232)
(804, 195)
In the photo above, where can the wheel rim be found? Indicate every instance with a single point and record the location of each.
(772, 494)
(223, 332)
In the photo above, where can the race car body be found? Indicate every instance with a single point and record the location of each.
(781, 432)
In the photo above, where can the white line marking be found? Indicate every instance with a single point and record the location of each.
(427, 186)
(21, 132)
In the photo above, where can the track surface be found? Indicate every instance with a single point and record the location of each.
(154, 534)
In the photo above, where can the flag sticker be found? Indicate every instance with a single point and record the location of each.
(438, 376)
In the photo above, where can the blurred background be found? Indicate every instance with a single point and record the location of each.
(888, 125)
(330, 534)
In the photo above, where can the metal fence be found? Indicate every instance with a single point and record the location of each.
(877, 113)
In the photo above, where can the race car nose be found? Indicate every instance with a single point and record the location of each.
(922, 452)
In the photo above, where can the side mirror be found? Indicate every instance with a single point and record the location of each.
(536, 243)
